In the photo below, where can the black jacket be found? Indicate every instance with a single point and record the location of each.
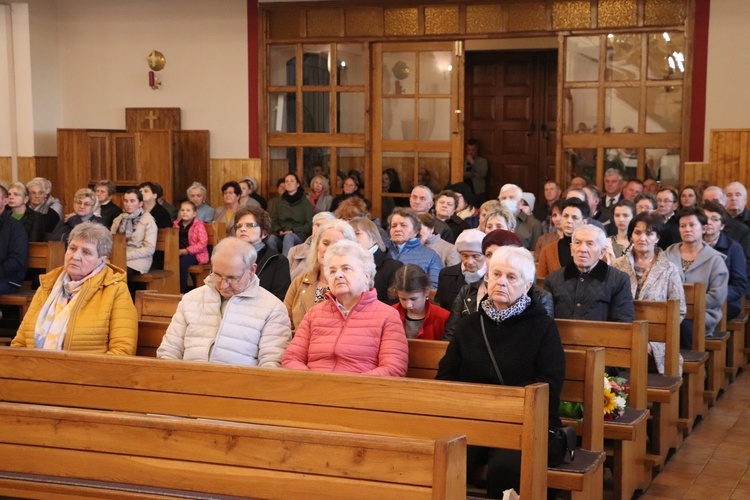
(273, 272)
(527, 349)
(63, 229)
(109, 212)
(33, 223)
(385, 269)
(466, 303)
(161, 216)
(450, 282)
(603, 294)
(14, 249)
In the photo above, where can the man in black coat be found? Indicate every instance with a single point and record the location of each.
(588, 288)
(14, 249)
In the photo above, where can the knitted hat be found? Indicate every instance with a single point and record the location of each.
(530, 199)
(501, 237)
(470, 240)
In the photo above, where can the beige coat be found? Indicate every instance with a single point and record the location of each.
(141, 246)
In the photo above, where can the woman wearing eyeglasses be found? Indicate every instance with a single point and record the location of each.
(85, 204)
(253, 226)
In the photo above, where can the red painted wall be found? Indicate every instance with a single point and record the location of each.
(253, 27)
(700, 70)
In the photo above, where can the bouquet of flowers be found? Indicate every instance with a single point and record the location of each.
(615, 400)
(615, 396)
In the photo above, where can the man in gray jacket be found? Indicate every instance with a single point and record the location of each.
(588, 288)
(230, 319)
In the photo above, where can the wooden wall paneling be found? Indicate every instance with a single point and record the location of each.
(73, 157)
(154, 158)
(137, 119)
(730, 156)
(46, 166)
(232, 169)
(695, 171)
(191, 160)
(5, 169)
(26, 168)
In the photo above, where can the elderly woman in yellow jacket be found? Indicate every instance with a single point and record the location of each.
(85, 305)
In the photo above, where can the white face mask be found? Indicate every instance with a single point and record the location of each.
(511, 205)
(476, 275)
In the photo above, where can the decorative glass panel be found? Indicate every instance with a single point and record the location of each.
(403, 165)
(624, 160)
(351, 63)
(580, 111)
(582, 59)
(664, 109)
(281, 60)
(351, 112)
(434, 169)
(621, 109)
(571, 14)
(352, 161)
(316, 112)
(398, 119)
(435, 72)
(434, 119)
(316, 65)
(316, 161)
(582, 163)
(399, 72)
(281, 162)
(666, 56)
(623, 57)
(282, 112)
(664, 166)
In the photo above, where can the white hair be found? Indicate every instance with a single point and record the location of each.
(508, 187)
(430, 195)
(232, 245)
(323, 216)
(613, 171)
(717, 189)
(737, 185)
(312, 264)
(601, 238)
(352, 248)
(517, 258)
(197, 185)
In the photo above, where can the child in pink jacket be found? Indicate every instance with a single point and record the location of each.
(193, 241)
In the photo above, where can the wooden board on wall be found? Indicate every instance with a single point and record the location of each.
(730, 156)
(5, 168)
(152, 119)
(191, 160)
(232, 169)
(695, 171)
(154, 157)
(73, 157)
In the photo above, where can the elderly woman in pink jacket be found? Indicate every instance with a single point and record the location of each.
(351, 331)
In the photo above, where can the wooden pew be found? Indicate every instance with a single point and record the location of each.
(155, 311)
(216, 231)
(43, 257)
(584, 371)
(736, 346)
(625, 346)
(119, 254)
(497, 416)
(165, 280)
(693, 399)
(93, 452)
(663, 390)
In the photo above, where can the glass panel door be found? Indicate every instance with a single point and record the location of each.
(416, 121)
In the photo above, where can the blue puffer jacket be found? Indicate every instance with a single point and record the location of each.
(413, 252)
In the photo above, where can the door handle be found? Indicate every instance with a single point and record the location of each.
(545, 131)
(532, 129)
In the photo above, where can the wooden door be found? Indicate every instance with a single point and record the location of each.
(511, 109)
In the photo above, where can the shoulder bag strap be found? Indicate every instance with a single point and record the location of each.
(489, 350)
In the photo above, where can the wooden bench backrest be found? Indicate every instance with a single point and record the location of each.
(625, 344)
(695, 299)
(155, 311)
(119, 256)
(224, 458)
(584, 373)
(216, 232)
(46, 256)
(168, 241)
(502, 417)
(663, 326)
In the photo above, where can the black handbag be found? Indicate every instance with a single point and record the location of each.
(562, 441)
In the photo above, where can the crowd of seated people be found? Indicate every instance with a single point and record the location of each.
(300, 287)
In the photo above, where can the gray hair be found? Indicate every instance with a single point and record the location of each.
(312, 264)
(234, 246)
(737, 185)
(601, 238)
(430, 194)
(322, 216)
(196, 185)
(613, 171)
(717, 189)
(508, 187)
(21, 187)
(503, 212)
(352, 248)
(368, 226)
(93, 232)
(517, 258)
(36, 181)
(87, 193)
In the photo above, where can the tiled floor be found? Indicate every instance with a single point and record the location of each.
(714, 461)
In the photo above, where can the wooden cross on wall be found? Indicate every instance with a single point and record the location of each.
(151, 117)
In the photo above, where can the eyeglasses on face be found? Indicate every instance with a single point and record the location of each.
(83, 203)
(246, 225)
(229, 280)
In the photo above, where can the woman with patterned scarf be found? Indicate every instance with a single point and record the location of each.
(140, 232)
(510, 340)
(85, 305)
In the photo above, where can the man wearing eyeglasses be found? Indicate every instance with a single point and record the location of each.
(230, 319)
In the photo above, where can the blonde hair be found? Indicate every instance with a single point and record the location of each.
(312, 264)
